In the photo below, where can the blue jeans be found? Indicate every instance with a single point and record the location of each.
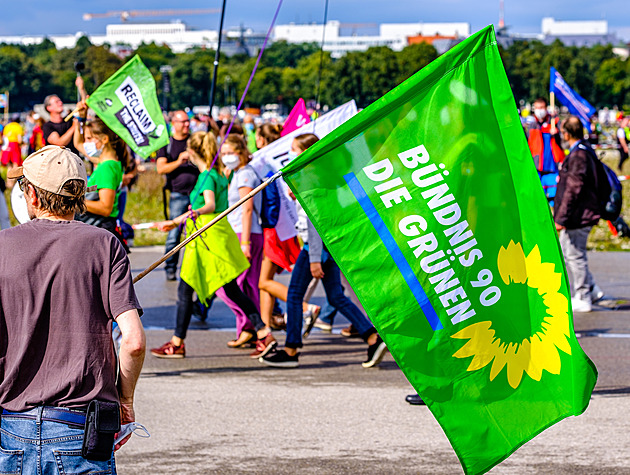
(177, 205)
(300, 278)
(328, 314)
(35, 447)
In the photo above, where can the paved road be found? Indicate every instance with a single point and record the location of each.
(218, 411)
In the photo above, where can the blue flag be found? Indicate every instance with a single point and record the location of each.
(576, 104)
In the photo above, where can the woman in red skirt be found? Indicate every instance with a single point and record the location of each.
(278, 255)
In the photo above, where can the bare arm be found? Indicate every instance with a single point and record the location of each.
(64, 140)
(77, 138)
(163, 166)
(105, 204)
(624, 144)
(209, 206)
(131, 357)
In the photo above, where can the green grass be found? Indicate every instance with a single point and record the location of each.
(144, 204)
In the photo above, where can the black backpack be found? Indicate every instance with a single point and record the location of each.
(608, 188)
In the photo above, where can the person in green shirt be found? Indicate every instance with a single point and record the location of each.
(214, 260)
(110, 154)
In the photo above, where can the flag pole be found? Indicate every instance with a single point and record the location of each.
(216, 62)
(218, 218)
(552, 103)
(6, 109)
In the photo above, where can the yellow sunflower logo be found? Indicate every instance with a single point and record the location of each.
(537, 352)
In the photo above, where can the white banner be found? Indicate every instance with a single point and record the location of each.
(274, 157)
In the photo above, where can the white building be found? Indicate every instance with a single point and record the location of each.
(552, 27)
(393, 35)
(175, 35)
(576, 33)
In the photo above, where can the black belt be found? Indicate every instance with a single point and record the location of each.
(75, 417)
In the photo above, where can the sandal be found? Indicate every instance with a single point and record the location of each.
(244, 340)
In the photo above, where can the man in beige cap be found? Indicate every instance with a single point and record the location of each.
(63, 285)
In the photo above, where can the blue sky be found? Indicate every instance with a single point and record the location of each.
(65, 16)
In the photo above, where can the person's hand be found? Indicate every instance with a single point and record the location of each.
(183, 157)
(316, 270)
(559, 227)
(127, 415)
(82, 109)
(79, 83)
(166, 226)
(246, 248)
(291, 195)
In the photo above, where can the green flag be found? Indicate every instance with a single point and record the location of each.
(127, 102)
(430, 203)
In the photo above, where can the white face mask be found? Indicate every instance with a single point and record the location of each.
(231, 161)
(540, 113)
(292, 154)
(92, 150)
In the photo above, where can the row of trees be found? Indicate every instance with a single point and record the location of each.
(288, 72)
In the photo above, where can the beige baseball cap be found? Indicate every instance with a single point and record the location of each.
(50, 168)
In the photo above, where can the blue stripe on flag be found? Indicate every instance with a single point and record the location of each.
(387, 238)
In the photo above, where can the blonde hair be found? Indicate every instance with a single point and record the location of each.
(237, 142)
(204, 144)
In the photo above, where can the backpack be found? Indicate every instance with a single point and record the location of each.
(271, 203)
(608, 188)
(611, 201)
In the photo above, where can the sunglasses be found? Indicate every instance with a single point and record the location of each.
(20, 181)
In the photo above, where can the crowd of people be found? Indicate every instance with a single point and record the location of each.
(206, 170)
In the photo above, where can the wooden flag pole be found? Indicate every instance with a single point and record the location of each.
(552, 97)
(200, 231)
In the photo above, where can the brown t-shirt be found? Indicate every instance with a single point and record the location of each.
(61, 285)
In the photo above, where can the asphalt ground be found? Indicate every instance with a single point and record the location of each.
(219, 411)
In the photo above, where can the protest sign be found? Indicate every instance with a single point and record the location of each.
(127, 102)
(429, 202)
(274, 156)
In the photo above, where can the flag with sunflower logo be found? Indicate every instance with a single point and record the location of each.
(430, 203)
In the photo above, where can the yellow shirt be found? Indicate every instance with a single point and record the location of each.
(13, 132)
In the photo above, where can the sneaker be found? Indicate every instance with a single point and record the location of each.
(169, 350)
(280, 359)
(375, 353)
(415, 400)
(310, 317)
(264, 346)
(596, 293)
(171, 274)
(323, 326)
(350, 332)
(581, 306)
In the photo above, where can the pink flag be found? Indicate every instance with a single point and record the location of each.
(297, 118)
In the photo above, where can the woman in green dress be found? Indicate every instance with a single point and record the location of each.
(213, 260)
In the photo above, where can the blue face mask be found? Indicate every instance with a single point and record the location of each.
(92, 150)
(292, 155)
(249, 127)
